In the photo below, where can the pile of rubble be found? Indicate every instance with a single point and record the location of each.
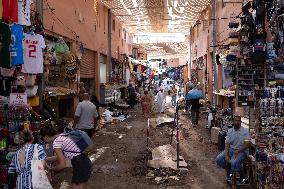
(112, 116)
(163, 165)
(160, 165)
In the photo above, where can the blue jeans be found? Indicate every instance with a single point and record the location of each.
(235, 163)
(174, 100)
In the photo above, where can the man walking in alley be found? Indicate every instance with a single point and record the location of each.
(131, 95)
(86, 115)
(193, 97)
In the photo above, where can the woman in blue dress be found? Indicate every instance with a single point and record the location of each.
(21, 162)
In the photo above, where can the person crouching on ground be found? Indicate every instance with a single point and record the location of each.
(146, 102)
(65, 147)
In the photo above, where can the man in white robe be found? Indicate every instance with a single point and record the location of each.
(161, 100)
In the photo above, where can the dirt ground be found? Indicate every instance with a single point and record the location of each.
(123, 164)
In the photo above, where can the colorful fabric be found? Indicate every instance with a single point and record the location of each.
(24, 173)
(67, 145)
(33, 55)
(10, 10)
(16, 46)
(24, 12)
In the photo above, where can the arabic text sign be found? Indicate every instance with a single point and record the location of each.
(18, 99)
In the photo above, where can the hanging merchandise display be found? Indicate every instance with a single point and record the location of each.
(71, 67)
(33, 53)
(16, 46)
(269, 140)
(5, 86)
(10, 10)
(61, 46)
(1, 9)
(24, 12)
(5, 40)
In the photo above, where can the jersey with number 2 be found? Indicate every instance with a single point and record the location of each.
(33, 53)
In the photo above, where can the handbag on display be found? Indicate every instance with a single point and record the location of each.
(260, 30)
(39, 176)
(258, 57)
(233, 25)
(260, 45)
(31, 91)
(234, 34)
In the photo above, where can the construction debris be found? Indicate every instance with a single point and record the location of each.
(165, 157)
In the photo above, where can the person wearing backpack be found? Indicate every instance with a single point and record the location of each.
(72, 145)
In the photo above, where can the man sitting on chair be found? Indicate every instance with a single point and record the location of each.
(236, 150)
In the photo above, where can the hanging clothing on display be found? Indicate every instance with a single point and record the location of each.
(33, 55)
(5, 40)
(16, 47)
(5, 86)
(24, 10)
(10, 10)
(135, 68)
(142, 68)
(1, 9)
(7, 72)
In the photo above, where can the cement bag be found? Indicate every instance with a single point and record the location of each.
(215, 135)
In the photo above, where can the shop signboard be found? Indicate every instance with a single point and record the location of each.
(18, 99)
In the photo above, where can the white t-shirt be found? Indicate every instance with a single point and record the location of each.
(87, 112)
(33, 55)
(24, 12)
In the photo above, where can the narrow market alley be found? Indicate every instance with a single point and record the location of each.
(142, 94)
(122, 163)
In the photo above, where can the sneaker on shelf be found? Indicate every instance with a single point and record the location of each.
(228, 178)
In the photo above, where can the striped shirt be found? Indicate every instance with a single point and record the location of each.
(67, 145)
(24, 173)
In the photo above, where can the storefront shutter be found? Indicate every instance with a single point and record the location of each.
(87, 67)
(103, 59)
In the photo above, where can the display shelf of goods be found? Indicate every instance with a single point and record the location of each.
(250, 77)
(269, 139)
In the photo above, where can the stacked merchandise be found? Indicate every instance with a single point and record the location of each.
(21, 49)
(269, 138)
(16, 119)
(21, 58)
(3, 141)
(251, 66)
